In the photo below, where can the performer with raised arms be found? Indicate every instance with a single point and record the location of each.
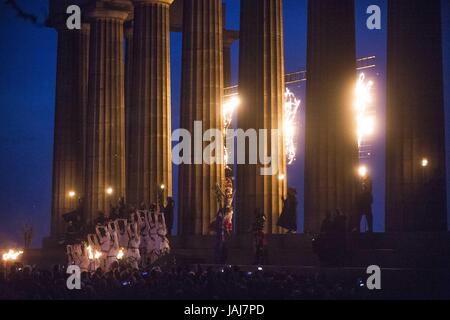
(133, 255)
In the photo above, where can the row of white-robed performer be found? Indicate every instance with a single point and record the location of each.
(140, 242)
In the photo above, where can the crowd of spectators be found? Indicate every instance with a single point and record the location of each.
(176, 283)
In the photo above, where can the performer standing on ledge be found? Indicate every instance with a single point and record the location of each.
(168, 214)
(288, 217)
(259, 238)
(364, 204)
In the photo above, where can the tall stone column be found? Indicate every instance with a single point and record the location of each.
(150, 117)
(261, 89)
(128, 31)
(70, 109)
(415, 194)
(105, 163)
(201, 100)
(331, 151)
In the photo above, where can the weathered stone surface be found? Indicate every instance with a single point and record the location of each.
(415, 195)
(261, 89)
(149, 152)
(331, 155)
(105, 162)
(70, 125)
(202, 94)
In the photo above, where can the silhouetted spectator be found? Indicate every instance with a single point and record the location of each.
(288, 217)
(168, 214)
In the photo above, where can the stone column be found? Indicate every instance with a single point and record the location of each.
(416, 197)
(201, 100)
(70, 109)
(150, 119)
(331, 155)
(261, 89)
(105, 164)
(128, 31)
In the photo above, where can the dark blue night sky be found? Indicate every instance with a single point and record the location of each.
(27, 90)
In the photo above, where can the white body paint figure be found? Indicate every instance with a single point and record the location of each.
(164, 245)
(149, 239)
(77, 254)
(70, 255)
(153, 243)
(160, 243)
(84, 261)
(114, 247)
(121, 227)
(133, 255)
(105, 245)
(145, 235)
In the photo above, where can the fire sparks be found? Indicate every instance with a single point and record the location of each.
(291, 106)
(363, 99)
(228, 109)
(12, 255)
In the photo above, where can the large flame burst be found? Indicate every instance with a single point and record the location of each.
(11, 255)
(363, 99)
(291, 106)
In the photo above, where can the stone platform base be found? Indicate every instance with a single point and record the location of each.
(403, 250)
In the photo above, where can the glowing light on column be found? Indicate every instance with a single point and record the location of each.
(363, 100)
(291, 106)
(363, 171)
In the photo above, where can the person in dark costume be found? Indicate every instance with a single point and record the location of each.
(168, 214)
(288, 217)
(259, 238)
(220, 252)
(364, 204)
(327, 223)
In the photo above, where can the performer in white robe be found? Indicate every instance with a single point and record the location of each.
(84, 264)
(77, 254)
(145, 236)
(153, 244)
(105, 244)
(70, 255)
(164, 245)
(133, 255)
(159, 242)
(121, 227)
(114, 246)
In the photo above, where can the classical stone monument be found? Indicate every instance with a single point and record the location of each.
(113, 105)
(113, 110)
(331, 142)
(416, 168)
(261, 89)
